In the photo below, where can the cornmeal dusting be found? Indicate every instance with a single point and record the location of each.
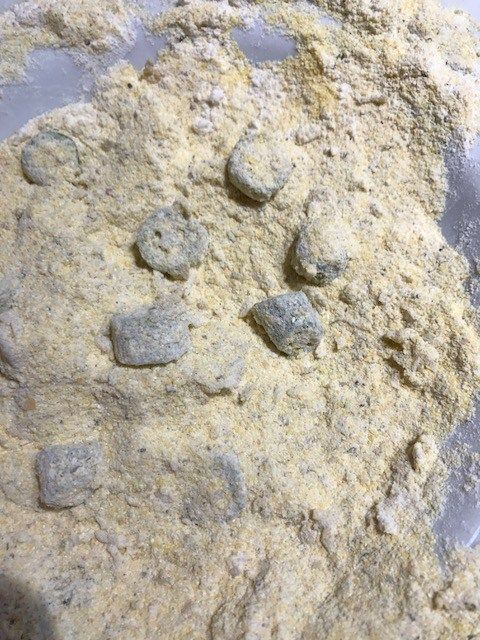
(244, 493)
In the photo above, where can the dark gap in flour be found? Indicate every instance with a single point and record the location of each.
(471, 6)
(8, 4)
(154, 7)
(460, 519)
(146, 47)
(54, 79)
(261, 43)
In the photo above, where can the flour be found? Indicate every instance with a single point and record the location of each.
(85, 25)
(256, 495)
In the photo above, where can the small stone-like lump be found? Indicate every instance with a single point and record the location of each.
(171, 243)
(322, 251)
(49, 157)
(68, 474)
(221, 493)
(220, 376)
(151, 335)
(217, 363)
(10, 362)
(259, 168)
(290, 322)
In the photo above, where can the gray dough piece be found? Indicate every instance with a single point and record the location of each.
(68, 474)
(8, 289)
(151, 335)
(290, 322)
(48, 157)
(259, 168)
(171, 243)
(10, 361)
(322, 251)
(221, 494)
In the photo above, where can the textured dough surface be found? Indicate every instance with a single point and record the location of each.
(245, 495)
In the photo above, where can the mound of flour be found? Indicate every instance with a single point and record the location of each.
(244, 494)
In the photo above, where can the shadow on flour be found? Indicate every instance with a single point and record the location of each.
(23, 614)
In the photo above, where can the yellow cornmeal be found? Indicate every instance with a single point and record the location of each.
(338, 449)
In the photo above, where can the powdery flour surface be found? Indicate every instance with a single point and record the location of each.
(224, 489)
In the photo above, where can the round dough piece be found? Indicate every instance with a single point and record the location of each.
(49, 157)
(259, 168)
(171, 243)
(322, 251)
